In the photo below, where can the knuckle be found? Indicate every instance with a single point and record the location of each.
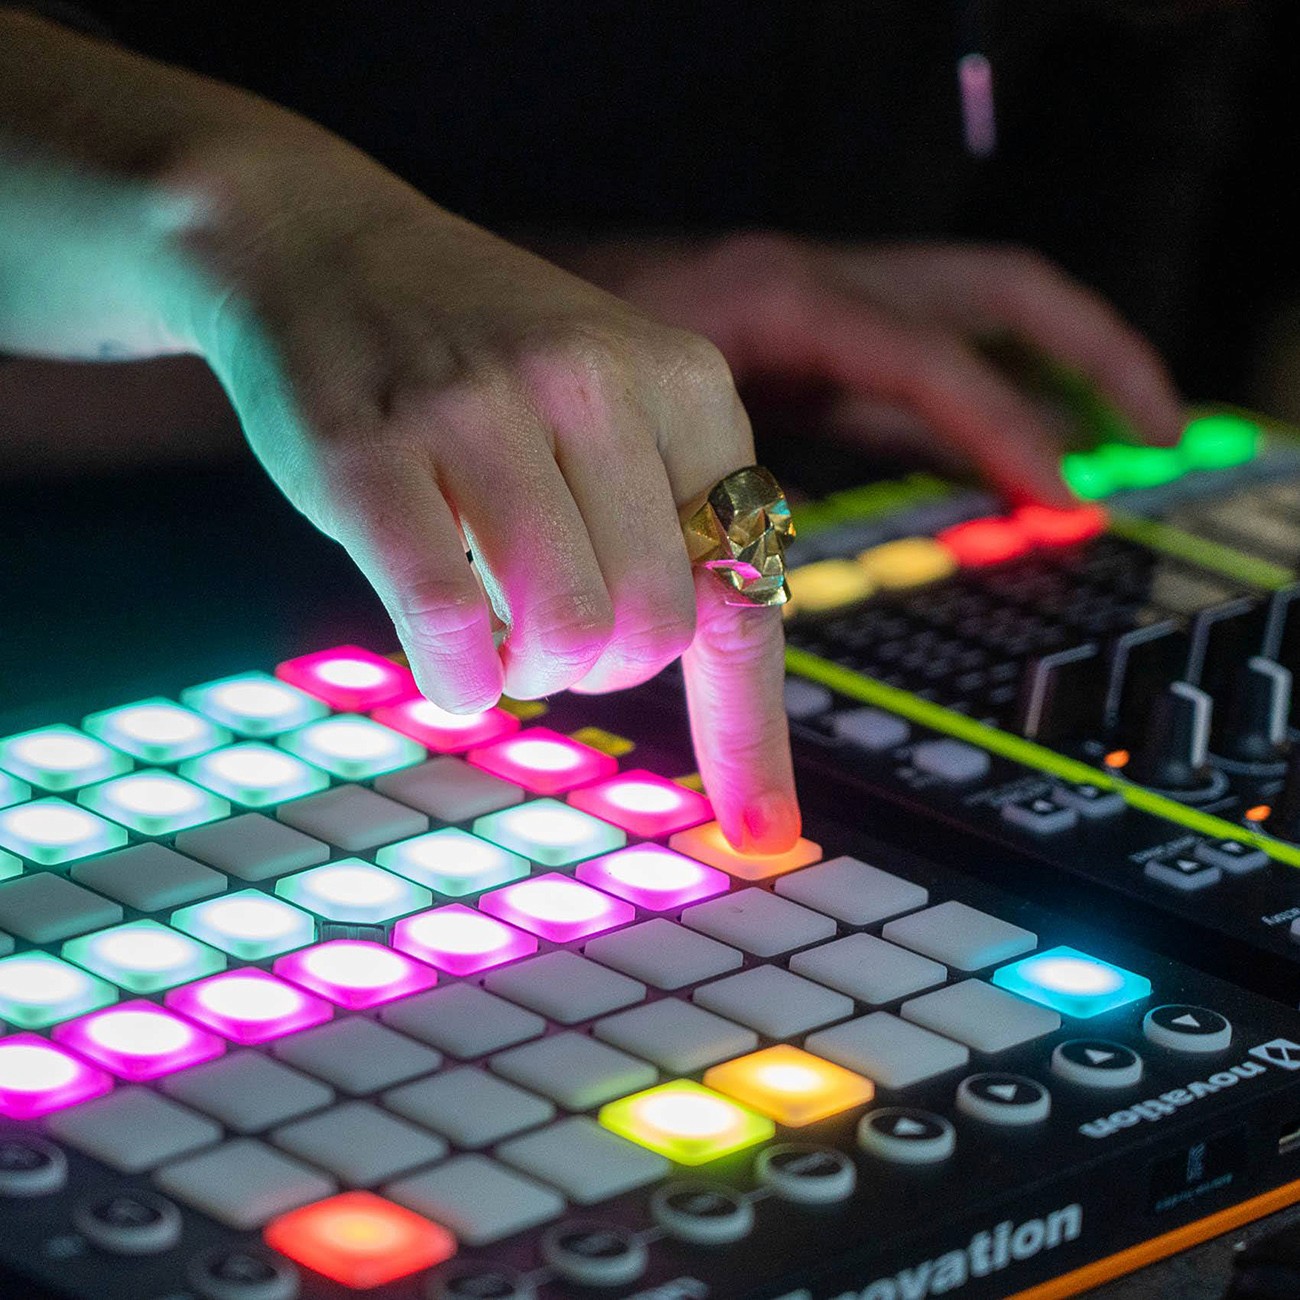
(578, 379)
(443, 605)
(572, 628)
(736, 637)
(654, 639)
(700, 368)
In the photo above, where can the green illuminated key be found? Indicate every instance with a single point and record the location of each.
(353, 747)
(686, 1122)
(51, 832)
(1219, 441)
(144, 956)
(352, 890)
(255, 775)
(60, 758)
(153, 802)
(37, 990)
(247, 924)
(254, 704)
(156, 730)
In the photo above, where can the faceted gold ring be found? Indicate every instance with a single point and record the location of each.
(739, 532)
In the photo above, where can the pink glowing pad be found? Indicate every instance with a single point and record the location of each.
(543, 761)
(138, 1040)
(348, 678)
(654, 878)
(249, 1006)
(36, 1078)
(557, 908)
(447, 733)
(644, 804)
(356, 973)
(461, 941)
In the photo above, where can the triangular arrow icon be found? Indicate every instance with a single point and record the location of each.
(904, 1127)
(1096, 1056)
(1006, 1091)
(1186, 1019)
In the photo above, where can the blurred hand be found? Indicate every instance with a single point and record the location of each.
(420, 388)
(896, 325)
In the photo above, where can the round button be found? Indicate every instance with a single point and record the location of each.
(244, 1274)
(129, 1223)
(31, 1167)
(1183, 1028)
(482, 1284)
(913, 1137)
(595, 1254)
(702, 1213)
(808, 1174)
(1004, 1099)
(1097, 1063)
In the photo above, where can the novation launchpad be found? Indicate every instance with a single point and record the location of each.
(313, 991)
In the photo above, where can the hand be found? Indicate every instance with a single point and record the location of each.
(418, 387)
(895, 325)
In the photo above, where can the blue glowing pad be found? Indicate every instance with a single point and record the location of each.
(1071, 982)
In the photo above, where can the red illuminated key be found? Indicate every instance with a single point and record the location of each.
(644, 804)
(443, 732)
(360, 1240)
(348, 678)
(1051, 527)
(543, 761)
(984, 541)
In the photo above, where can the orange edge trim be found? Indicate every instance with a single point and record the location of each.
(1169, 1243)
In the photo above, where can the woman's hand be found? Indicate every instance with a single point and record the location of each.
(420, 388)
(895, 326)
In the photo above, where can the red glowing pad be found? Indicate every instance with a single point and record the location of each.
(443, 732)
(360, 1240)
(348, 678)
(1050, 527)
(138, 1040)
(643, 804)
(36, 1078)
(543, 761)
(557, 908)
(984, 541)
(355, 973)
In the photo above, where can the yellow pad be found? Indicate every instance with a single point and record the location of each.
(827, 584)
(908, 562)
(790, 1086)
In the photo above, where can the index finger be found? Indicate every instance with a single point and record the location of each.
(735, 665)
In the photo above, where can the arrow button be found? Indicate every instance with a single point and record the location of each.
(1096, 1063)
(905, 1135)
(1004, 1099)
(1182, 1028)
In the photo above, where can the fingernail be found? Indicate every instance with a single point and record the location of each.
(771, 824)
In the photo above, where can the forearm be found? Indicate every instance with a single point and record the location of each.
(92, 260)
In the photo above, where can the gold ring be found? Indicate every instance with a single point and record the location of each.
(739, 532)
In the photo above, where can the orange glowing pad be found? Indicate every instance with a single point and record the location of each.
(360, 1239)
(790, 1086)
(707, 844)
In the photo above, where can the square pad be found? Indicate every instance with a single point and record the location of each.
(663, 953)
(852, 891)
(477, 1199)
(149, 877)
(887, 1050)
(449, 789)
(243, 1183)
(773, 1001)
(463, 1020)
(359, 1143)
(868, 968)
(357, 1055)
(352, 818)
(574, 1070)
(44, 908)
(960, 936)
(247, 1091)
(252, 847)
(586, 1162)
(565, 987)
(469, 1106)
(983, 1017)
(759, 922)
(678, 1037)
(133, 1129)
